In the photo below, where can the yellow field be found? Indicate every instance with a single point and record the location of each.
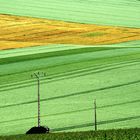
(17, 32)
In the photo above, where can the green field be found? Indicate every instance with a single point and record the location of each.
(109, 12)
(125, 134)
(75, 77)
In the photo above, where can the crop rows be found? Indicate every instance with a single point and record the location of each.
(110, 12)
(77, 78)
(31, 32)
(89, 50)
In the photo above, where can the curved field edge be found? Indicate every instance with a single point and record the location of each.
(51, 54)
(109, 12)
(19, 32)
(62, 47)
(124, 134)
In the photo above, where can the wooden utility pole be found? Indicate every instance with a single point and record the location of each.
(95, 115)
(37, 77)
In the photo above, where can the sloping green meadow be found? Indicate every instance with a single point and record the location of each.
(104, 12)
(75, 77)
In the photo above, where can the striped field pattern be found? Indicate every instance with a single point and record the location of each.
(109, 12)
(75, 77)
(89, 49)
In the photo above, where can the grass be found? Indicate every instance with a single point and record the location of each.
(123, 134)
(109, 12)
(20, 32)
(74, 79)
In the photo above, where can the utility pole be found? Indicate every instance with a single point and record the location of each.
(37, 76)
(95, 115)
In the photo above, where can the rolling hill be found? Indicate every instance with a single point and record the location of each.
(88, 49)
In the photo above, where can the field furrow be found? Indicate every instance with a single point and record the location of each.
(76, 75)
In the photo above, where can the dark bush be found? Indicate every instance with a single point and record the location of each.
(38, 130)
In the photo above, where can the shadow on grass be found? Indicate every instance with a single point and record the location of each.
(69, 75)
(73, 94)
(99, 123)
(75, 111)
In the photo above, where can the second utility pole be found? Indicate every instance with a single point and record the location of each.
(38, 102)
(95, 115)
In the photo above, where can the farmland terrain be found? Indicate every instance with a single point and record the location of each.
(88, 49)
(24, 32)
(75, 77)
(110, 12)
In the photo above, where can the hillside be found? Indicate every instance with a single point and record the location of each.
(75, 77)
(109, 12)
(88, 49)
